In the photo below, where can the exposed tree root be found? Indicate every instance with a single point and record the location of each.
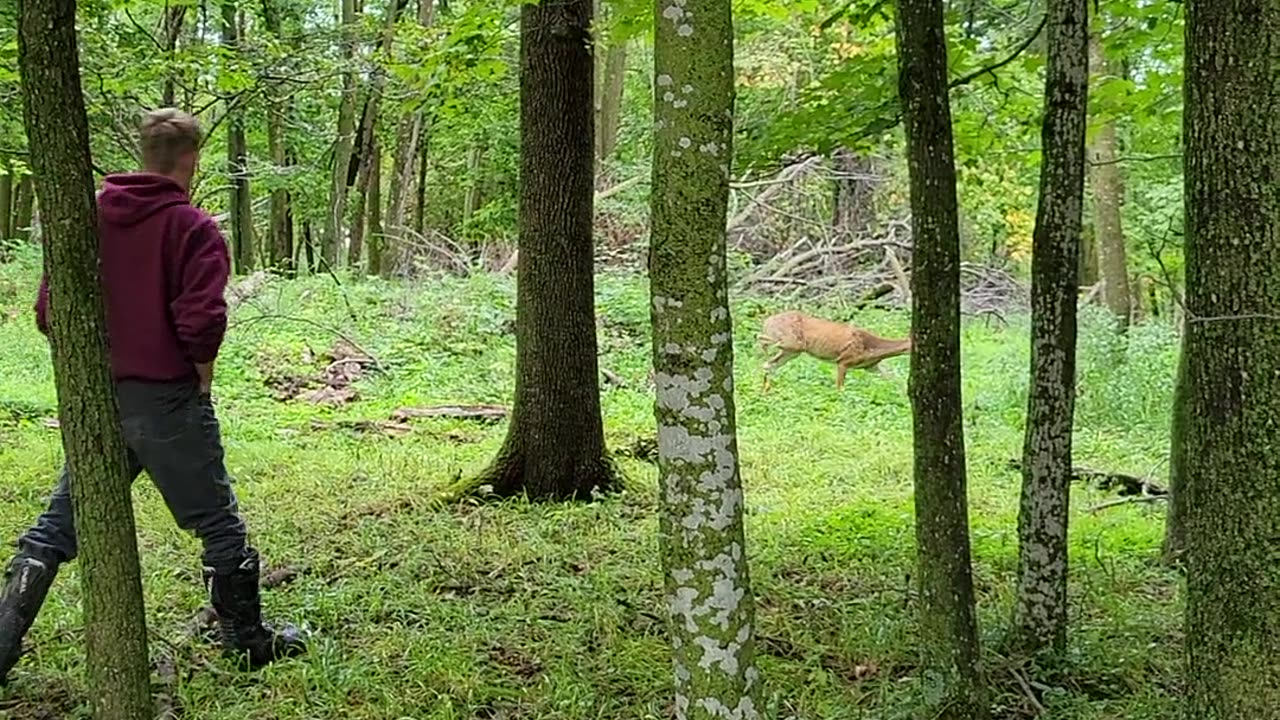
(512, 474)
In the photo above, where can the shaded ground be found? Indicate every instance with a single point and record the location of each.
(517, 611)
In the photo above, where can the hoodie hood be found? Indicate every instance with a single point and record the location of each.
(128, 199)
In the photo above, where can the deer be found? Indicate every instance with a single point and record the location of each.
(793, 333)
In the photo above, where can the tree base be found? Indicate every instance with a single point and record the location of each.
(512, 475)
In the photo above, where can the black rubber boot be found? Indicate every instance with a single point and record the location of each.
(245, 638)
(26, 583)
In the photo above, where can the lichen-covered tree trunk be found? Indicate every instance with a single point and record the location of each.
(704, 556)
(554, 447)
(344, 145)
(280, 245)
(1231, 429)
(58, 133)
(1175, 534)
(1108, 197)
(948, 627)
(1040, 608)
(237, 154)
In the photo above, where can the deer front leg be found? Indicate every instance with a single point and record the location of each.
(841, 369)
(772, 365)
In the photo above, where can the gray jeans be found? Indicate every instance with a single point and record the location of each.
(172, 433)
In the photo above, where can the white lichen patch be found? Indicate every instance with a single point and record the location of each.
(745, 709)
(664, 80)
(685, 142)
(685, 30)
(707, 595)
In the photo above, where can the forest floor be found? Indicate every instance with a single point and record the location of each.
(554, 612)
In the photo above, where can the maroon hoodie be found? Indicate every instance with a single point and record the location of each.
(164, 268)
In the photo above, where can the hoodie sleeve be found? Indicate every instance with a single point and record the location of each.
(42, 305)
(199, 309)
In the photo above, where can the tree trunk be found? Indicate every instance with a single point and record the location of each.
(609, 115)
(377, 237)
(1040, 609)
(1230, 456)
(420, 206)
(1175, 533)
(241, 207)
(115, 630)
(704, 557)
(6, 200)
(412, 131)
(309, 246)
(23, 208)
(853, 209)
(368, 134)
(1087, 267)
(278, 111)
(554, 448)
(471, 199)
(1108, 198)
(173, 21)
(345, 143)
(363, 216)
(948, 627)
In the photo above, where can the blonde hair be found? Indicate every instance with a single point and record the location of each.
(168, 134)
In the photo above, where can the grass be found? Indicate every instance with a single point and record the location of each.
(554, 612)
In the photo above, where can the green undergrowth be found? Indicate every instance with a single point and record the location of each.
(514, 610)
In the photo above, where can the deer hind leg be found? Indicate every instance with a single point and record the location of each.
(771, 366)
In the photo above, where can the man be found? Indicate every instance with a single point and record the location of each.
(164, 268)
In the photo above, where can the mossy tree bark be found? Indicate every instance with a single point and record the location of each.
(1108, 201)
(554, 447)
(344, 145)
(237, 154)
(1040, 608)
(1231, 450)
(58, 135)
(708, 587)
(948, 627)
